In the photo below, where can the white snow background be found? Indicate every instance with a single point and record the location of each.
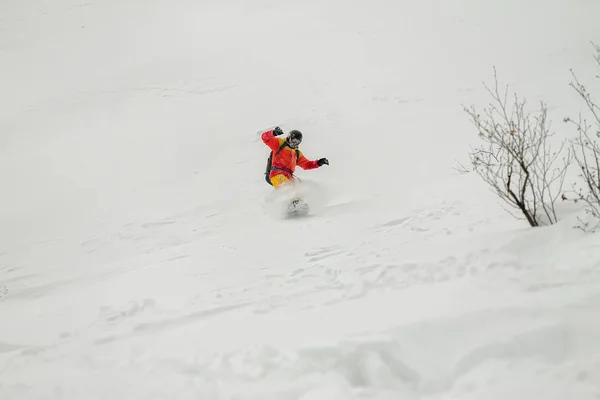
(139, 254)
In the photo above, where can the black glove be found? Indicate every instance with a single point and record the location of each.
(277, 131)
(322, 161)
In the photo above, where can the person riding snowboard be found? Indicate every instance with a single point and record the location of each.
(286, 156)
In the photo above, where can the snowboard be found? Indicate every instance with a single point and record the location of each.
(297, 208)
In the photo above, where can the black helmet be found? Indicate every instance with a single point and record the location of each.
(294, 138)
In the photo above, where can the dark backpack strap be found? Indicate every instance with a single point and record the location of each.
(282, 146)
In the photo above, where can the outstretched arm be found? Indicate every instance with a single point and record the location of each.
(270, 140)
(305, 163)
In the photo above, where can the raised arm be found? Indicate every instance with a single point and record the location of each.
(270, 140)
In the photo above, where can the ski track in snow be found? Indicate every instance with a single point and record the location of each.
(372, 357)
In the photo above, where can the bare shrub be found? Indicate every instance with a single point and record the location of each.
(516, 159)
(586, 148)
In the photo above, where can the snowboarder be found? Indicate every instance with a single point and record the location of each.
(285, 156)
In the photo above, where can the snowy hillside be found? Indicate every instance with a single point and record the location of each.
(140, 257)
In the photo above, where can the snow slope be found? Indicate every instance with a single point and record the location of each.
(139, 254)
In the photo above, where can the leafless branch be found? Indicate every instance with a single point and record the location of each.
(462, 169)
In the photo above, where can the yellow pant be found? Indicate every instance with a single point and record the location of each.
(279, 179)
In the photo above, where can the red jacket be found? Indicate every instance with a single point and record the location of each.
(286, 157)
